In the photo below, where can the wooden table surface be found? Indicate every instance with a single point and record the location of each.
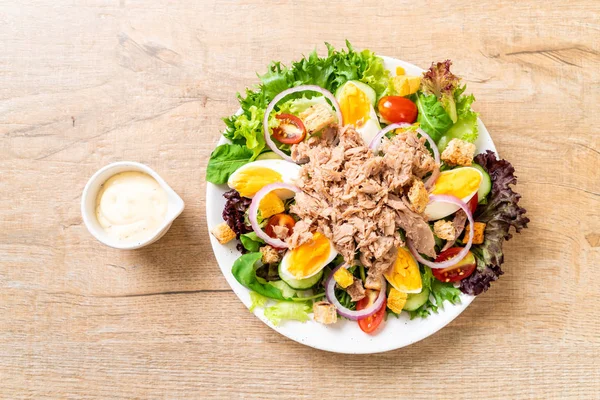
(92, 82)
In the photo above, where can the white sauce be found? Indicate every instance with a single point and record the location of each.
(131, 206)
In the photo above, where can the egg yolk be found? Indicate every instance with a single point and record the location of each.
(310, 257)
(459, 182)
(250, 180)
(404, 275)
(355, 106)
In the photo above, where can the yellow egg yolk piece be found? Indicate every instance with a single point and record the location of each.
(459, 182)
(250, 180)
(354, 105)
(310, 257)
(404, 275)
(270, 205)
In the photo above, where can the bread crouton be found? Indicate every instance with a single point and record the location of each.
(373, 284)
(458, 152)
(478, 235)
(396, 300)
(269, 255)
(444, 230)
(223, 233)
(343, 277)
(317, 117)
(418, 197)
(325, 312)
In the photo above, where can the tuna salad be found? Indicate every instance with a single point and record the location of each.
(359, 193)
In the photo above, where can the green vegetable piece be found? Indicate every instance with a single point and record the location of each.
(285, 310)
(224, 160)
(258, 300)
(251, 241)
(432, 116)
(244, 272)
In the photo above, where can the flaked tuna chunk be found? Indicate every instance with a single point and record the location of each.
(357, 198)
(356, 290)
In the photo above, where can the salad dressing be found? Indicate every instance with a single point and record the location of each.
(131, 206)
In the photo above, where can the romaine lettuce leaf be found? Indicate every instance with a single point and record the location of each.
(251, 241)
(244, 272)
(501, 212)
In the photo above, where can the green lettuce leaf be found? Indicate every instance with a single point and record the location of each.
(287, 310)
(439, 292)
(257, 300)
(224, 160)
(432, 117)
(501, 212)
(466, 126)
(247, 129)
(438, 80)
(251, 241)
(244, 272)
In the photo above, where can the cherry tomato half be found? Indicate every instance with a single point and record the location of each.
(283, 220)
(397, 109)
(369, 324)
(290, 130)
(457, 272)
(472, 204)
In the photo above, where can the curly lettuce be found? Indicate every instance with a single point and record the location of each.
(444, 111)
(439, 292)
(501, 212)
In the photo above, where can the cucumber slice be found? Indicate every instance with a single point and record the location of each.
(416, 300)
(368, 90)
(269, 155)
(299, 284)
(486, 183)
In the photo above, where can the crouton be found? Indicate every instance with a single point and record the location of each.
(325, 312)
(459, 152)
(343, 277)
(418, 197)
(317, 117)
(478, 236)
(223, 233)
(373, 284)
(356, 290)
(444, 230)
(396, 300)
(406, 85)
(269, 255)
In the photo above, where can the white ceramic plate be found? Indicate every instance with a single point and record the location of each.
(344, 336)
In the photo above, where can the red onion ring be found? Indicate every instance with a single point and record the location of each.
(377, 139)
(463, 252)
(345, 312)
(253, 212)
(375, 142)
(276, 99)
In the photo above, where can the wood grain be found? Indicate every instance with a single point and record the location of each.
(86, 83)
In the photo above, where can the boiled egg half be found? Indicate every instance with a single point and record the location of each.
(462, 182)
(309, 258)
(404, 275)
(357, 102)
(250, 178)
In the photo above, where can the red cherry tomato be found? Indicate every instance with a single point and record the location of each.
(290, 130)
(472, 204)
(397, 109)
(283, 220)
(457, 272)
(369, 324)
